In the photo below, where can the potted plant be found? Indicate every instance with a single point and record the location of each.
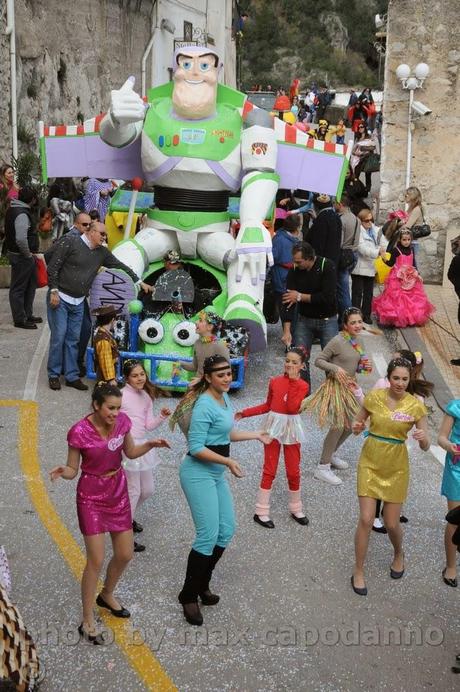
(5, 272)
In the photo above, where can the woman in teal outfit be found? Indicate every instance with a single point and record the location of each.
(449, 439)
(204, 482)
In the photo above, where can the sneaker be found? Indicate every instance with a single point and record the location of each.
(77, 384)
(324, 473)
(338, 463)
(138, 547)
(54, 383)
(378, 527)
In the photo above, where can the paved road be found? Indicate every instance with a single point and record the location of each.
(287, 619)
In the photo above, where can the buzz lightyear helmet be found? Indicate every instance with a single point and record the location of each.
(192, 50)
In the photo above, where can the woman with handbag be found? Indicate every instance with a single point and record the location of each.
(415, 216)
(413, 200)
(365, 150)
(372, 244)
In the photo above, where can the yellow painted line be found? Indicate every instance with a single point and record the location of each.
(138, 654)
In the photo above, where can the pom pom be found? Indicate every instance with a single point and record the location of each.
(136, 184)
(135, 307)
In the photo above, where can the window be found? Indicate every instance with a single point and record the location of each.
(188, 31)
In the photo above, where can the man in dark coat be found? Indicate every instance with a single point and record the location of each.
(325, 233)
(453, 275)
(21, 242)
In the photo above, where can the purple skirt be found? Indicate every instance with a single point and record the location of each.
(103, 504)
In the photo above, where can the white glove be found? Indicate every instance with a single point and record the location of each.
(126, 107)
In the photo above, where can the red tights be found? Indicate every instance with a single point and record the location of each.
(291, 460)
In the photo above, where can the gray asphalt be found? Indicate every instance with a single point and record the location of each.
(287, 619)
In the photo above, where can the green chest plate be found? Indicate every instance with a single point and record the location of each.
(212, 139)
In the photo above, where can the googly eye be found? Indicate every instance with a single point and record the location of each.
(151, 331)
(184, 333)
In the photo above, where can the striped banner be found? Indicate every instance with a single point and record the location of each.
(89, 127)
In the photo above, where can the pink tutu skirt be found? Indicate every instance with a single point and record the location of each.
(103, 504)
(402, 308)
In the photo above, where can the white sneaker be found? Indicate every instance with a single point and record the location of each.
(324, 473)
(338, 463)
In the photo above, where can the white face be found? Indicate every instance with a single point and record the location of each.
(399, 379)
(195, 86)
(137, 377)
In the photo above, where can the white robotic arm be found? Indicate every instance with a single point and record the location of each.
(258, 190)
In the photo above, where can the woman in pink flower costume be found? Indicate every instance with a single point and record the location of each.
(403, 302)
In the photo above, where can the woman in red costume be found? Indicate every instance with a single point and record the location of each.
(285, 395)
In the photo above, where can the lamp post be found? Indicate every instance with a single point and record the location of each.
(411, 82)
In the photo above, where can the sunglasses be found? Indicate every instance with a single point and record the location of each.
(368, 220)
(85, 225)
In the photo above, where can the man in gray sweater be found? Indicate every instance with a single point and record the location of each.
(351, 227)
(71, 271)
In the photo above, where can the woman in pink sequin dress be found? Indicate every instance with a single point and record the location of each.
(102, 497)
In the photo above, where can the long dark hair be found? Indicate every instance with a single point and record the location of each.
(102, 391)
(416, 385)
(152, 390)
(188, 401)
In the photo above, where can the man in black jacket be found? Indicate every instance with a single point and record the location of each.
(74, 264)
(311, 289)
(21, 242)
(325, 234)
(453, 275)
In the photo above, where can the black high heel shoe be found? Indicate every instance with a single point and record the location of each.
(359, 590)
(118, 613)
(97, 639)
(449, 582)
(266, 524)
(303, 521)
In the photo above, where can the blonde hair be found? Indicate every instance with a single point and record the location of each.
(415, 197)
(365, 212)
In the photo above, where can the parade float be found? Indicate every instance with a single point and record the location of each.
(197, 142)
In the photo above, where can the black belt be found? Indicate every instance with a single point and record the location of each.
(223, 450)
(180, 199)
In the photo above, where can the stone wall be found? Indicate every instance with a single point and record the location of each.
(424, 31)
(68, 57)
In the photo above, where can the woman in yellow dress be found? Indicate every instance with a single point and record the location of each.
(383, 468)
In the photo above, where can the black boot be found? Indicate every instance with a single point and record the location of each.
(197, 566)
(207, 597)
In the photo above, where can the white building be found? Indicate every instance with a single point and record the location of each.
(203, 22)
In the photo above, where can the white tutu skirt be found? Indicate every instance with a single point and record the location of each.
(146, 462)
(284, 427)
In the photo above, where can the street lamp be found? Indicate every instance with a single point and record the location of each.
(411, 82)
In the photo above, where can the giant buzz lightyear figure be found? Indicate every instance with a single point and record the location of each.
(197, 146)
